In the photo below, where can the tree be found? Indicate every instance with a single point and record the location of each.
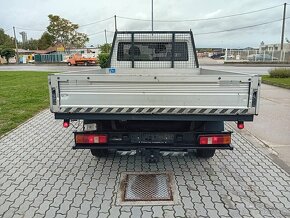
(104, 60)
(79, 40)
(45, 41)
(105, 48)
(31, 44)
(64, 31)
(7, 53)
(287, 40)
(105, 55)
(6, 40)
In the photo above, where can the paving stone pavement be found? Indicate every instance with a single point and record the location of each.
(41, 176)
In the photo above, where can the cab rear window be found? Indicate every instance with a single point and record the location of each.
(152, 51)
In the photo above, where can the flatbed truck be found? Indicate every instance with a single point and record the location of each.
(154, 98)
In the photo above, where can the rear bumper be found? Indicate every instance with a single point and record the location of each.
(151, 146)
(173, 117)
(152, 140)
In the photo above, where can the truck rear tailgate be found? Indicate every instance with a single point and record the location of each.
(149, 94)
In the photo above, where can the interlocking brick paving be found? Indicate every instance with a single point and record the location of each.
(41, 176)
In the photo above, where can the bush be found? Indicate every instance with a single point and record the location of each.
(7, 53)
(104, 60)
(280, 73)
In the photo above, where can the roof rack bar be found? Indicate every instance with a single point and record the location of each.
(150, 32)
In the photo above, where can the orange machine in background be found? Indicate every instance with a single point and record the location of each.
(78, 59)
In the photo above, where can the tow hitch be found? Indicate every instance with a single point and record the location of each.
(152, 155)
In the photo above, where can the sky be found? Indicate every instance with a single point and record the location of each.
(31, 16)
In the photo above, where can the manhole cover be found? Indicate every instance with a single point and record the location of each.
(147, 188)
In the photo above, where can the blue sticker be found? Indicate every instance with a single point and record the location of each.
(112, 70)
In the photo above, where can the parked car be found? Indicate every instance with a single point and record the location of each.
(261, 57)
(228, 57)
(217, 56)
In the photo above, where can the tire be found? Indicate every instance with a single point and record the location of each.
(100, 152)
(69, 63)
(205, 153)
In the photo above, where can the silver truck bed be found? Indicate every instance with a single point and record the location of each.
(155, 91)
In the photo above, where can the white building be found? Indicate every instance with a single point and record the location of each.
(274, 47)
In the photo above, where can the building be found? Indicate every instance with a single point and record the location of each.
(24, 36)
(55, 53)
(274, 47)
(25, 56)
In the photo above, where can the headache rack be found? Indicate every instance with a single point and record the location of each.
(153, 49)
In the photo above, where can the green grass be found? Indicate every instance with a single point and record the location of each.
(22, 95)
(281, 82)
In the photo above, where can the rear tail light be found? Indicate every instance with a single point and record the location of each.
(215, 139)
(65, 123)
(240, 125)
(91, 139)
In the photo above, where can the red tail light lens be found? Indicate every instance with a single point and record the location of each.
(91, 139)
(241, 125)
(65, 124)
(215, 139)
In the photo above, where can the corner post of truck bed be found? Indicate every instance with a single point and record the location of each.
(132, 54)
(194, 50)
(173, 50)
(112, 48)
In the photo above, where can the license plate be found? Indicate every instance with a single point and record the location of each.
(153, 138)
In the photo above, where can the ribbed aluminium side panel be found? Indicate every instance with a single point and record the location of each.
(114, 97)
(150, 88)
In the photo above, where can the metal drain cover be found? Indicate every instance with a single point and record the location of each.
(147, 188)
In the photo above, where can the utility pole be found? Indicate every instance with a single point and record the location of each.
(283, 27)
(152, 14)
(115, 22)
(106, 36)
(16, 46)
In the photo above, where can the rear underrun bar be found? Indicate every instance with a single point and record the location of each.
(172, 117)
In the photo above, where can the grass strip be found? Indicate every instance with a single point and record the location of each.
(22, 95)
(280, 82)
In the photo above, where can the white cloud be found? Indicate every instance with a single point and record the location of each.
(213, 14)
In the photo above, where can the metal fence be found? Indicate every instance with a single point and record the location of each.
(256, 56)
